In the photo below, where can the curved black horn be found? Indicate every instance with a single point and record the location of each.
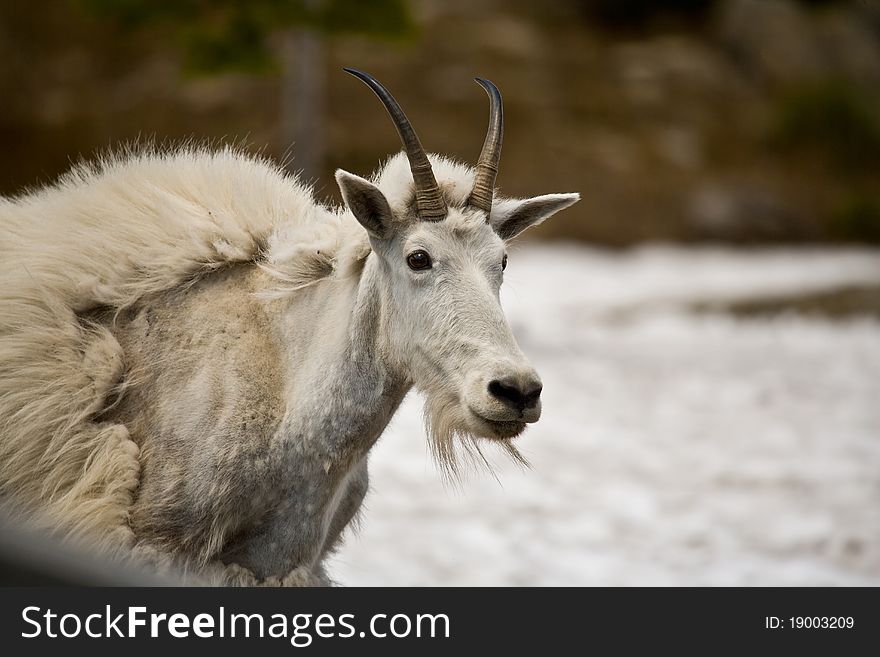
(487, 165)
(429, 201)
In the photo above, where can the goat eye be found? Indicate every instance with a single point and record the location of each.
(418, 260)
(504, 262)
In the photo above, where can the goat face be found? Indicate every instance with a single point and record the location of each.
(442, 265)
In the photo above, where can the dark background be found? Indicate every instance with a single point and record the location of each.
(688, 120)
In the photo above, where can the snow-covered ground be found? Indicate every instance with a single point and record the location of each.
(676, 448)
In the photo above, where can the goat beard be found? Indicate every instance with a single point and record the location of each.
(453, 446)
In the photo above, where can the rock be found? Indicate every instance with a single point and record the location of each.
(742, 213)
(781, 41)
(850, 46)
(773, 39)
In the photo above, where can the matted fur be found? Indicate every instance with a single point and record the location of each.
(132, 224)
(136, 224)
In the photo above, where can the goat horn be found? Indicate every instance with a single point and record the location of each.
(487, 165)
(429, 202)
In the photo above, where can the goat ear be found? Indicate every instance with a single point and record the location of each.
(366, 202)
(510, 217)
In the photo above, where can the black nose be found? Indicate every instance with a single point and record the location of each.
(516, 394)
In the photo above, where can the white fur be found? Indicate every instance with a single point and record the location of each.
(132, 225)
(107, 235)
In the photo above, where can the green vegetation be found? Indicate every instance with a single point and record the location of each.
(232, 35)
(629, 14)
(834, 119)
(836, 122)
(857, 220)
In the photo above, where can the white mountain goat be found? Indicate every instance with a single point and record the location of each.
(196, 358)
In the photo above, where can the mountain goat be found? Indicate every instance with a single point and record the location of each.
(196, 357)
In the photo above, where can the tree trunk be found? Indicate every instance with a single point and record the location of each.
(302, 101)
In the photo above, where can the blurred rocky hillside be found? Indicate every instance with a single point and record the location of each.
(733, 120)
